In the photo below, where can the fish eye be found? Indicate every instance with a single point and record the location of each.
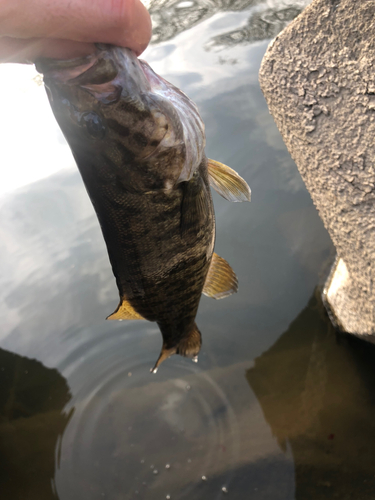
(93, 125)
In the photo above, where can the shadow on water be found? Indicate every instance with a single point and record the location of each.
(316, 390)
(31, 422)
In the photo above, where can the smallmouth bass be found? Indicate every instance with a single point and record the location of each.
(138, 142)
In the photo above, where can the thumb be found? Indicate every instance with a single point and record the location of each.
(119, 22)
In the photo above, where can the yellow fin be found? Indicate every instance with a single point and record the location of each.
(125, 311)
(227, 182)
(221, 280)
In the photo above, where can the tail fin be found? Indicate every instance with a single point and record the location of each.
(189, 347)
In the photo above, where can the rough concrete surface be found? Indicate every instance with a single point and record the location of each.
(318, 78)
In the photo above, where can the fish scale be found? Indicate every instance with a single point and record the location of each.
(138, 220)
(138, 142)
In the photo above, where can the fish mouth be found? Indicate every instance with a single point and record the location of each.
(108, 65)
(100, 68)
(65, 70)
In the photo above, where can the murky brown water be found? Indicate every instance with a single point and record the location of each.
(278, 407)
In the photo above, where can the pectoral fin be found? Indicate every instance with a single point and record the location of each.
(227, 182)
(221, 280)
(125, 311)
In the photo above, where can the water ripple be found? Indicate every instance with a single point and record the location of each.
(137, 435)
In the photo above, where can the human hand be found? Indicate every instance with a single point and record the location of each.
(63, 29)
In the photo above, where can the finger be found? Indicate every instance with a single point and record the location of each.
(16, 50)
(119, 22)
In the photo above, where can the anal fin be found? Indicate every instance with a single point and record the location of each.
(221, 280)
(125, 311)
(227, 182)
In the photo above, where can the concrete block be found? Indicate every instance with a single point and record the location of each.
(318, 78)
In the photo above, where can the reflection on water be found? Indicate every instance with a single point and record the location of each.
(27, 115)
(149, 438)
(265, 18)
(316, 390)
(303, 427)
(261, 25)
(32, 398)
(171, 17)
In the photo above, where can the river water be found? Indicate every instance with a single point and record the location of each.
(278, 408)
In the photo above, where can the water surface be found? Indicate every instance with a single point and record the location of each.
(278, 407)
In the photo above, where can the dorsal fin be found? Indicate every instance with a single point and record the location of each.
(221, 280)
(125, 311)
(227, 182)
(189, 347)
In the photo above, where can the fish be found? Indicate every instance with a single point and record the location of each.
(138, 142)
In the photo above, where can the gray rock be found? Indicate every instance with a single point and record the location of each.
(318, 78)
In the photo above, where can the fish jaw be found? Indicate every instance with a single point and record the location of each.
(108, 64)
